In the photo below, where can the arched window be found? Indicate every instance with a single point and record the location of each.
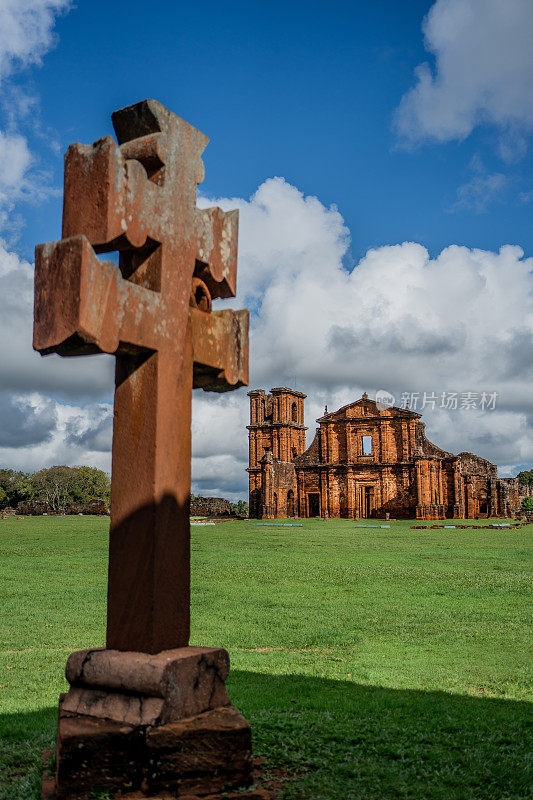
(275, 504)
(294, 452)
(294, 412)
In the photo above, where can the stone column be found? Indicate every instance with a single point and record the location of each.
(405, 442)
(349, 454)
(350, 486)
(418, 484)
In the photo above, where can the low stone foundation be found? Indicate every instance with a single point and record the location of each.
(149, 724)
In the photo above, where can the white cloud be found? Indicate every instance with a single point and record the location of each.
(483, 73)
(482, 189)
(15, 160)
(26, 31)
(462, 321)
(45, 436)
(26, 34)
(20, 179)
(400, 320)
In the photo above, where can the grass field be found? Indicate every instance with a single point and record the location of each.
(372, 663)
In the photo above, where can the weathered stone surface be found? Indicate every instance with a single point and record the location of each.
(210, 507)
(93, 753)
(144, 689)
(152, 310)
(116, 706)
(201, 754)
(198, 755)
(403, 474)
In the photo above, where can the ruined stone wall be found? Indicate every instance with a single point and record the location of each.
(279, 490)
(404, 475)
(512, 492)
(276, 425)
(308, 482)
(210, 507)
(36, 508)
(285, 490)
(470, 464)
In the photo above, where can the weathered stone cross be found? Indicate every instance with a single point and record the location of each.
(153, 311)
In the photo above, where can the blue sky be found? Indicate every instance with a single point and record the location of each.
(330, 98)
(307, 91)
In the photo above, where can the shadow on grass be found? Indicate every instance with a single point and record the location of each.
(343, 741)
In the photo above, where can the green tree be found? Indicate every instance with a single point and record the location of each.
(527, 504)
(91, 484)
(240, 508)
(15, 486)
(60, 486)
(53, 485)
(525, 477)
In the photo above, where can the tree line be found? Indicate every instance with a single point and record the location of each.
(59, 487)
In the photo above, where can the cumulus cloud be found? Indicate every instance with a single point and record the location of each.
(20, 178)
(92, 428)
(26, 34)
(26, 31)
(26, 420)
(399, 320)
(482, 74)
(43, 434)
(15, 160)
(461, 321)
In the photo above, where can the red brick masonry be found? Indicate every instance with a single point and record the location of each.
(363, 462)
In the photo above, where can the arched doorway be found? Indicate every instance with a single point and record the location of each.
(368, 501)
(313, 504)
(275, 504)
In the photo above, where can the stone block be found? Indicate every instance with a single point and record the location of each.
(96, 753)
(144, 689)
(200, 755)
(120, 707)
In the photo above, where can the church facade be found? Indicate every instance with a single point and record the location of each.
(364, 462)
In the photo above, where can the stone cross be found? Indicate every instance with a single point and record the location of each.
(153, 312)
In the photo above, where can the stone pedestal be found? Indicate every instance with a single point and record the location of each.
(150, 725)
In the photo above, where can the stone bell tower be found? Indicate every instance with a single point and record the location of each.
(276, 428)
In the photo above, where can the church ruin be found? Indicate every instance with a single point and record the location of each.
(364, 462)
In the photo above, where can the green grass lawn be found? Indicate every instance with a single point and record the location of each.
(371, 663)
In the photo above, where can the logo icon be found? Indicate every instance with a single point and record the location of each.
(384, 399)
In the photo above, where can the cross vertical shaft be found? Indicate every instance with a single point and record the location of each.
(148, 714)
(149, 553)
(153, 312)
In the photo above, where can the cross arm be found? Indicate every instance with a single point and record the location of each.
(84, 306)
(216, 260)
(220, 349)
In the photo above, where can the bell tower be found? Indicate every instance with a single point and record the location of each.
(277, 428)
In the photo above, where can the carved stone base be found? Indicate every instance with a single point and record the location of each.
(149, 724)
